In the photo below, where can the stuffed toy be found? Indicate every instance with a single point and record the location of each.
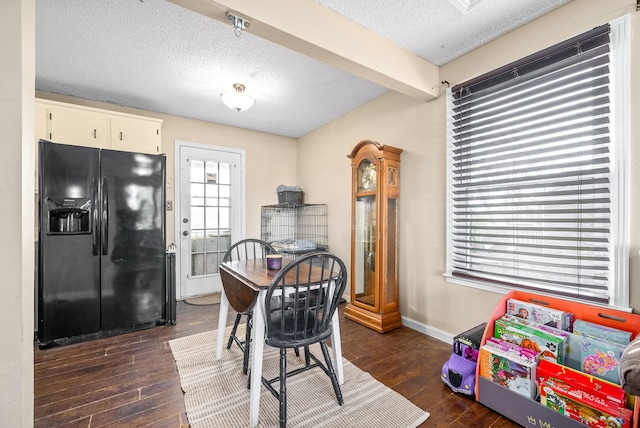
(629, 368)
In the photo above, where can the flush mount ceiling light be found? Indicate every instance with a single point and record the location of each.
(238, 100)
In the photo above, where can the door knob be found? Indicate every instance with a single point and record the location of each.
(185, 233)
(185, 220)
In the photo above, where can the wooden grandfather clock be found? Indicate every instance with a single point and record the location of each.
(374, 236)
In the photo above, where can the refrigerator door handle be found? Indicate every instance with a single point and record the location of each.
(105, 216)
(96, 220)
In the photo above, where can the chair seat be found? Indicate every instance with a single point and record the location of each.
(294, 333)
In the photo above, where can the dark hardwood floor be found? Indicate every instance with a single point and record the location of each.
(131, 380)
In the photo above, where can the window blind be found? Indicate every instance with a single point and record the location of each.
(531, 172)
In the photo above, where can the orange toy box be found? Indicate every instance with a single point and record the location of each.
(521, 409)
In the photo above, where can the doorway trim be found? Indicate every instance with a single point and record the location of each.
(177, 186)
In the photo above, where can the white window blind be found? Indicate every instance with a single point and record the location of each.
(530, 203)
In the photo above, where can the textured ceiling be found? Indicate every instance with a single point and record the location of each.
(157, 56)
(436, 29)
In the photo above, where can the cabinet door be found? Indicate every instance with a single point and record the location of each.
(135, 135)
(78, 127)
(40, 121)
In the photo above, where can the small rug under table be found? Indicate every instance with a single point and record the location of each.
(216, 394)
(207, 299)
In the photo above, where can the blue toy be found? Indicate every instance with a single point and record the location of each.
(459, 372)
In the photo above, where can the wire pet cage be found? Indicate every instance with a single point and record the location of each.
(295, 229)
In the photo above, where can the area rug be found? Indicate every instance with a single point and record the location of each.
(216, 394)
(207, 299)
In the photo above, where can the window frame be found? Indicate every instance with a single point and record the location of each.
(620, 192)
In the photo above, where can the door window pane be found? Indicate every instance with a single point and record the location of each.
(212, 217)
(225, 217)
(212, 263)
(212, 190)
(225, 173)
(197, 218)
(197, 171)
(197, 264)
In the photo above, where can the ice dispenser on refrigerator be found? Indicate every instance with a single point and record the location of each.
(68, 215)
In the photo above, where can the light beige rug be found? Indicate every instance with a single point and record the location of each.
(207, 299)
(216, 394)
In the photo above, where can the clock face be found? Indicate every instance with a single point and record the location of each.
(367, 173)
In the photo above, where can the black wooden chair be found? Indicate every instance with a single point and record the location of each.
(314, 283)
(246, 249)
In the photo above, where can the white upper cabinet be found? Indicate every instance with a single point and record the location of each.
(78, 127)
(135, 134)
(90, 127)
(41, 122)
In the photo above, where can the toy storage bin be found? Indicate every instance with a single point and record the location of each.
(528, 412)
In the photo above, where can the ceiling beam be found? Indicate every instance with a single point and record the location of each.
(321, 33)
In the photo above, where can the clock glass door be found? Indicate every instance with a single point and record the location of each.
(365, 250)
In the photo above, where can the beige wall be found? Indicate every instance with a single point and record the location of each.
(17, 74)
(270, 159)
(438, 307)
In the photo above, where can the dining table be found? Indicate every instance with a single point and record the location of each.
(245, 284)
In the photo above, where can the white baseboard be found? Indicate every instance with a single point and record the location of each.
(428, 330)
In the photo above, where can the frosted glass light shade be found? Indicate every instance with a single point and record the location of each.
(237, 100)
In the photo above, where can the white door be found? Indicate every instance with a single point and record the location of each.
(209, 215)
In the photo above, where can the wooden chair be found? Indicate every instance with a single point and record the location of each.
(314, 283)
(245, 249)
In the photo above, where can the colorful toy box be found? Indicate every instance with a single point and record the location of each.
(525, 411)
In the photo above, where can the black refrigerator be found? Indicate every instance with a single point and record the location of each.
(101, 242)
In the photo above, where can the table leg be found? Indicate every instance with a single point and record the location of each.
(222, 323)
(336, 346)
(257, 346)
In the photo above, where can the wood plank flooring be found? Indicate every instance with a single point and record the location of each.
(131, 380)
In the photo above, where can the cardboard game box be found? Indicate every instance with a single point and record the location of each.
(512, 348)
(600, 331)
(549, 345)
(601, 358)
(580, 407)
(540, 314)
(512, 371)
(600, 389)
